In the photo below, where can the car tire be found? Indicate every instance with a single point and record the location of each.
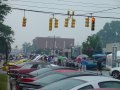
(116, 74)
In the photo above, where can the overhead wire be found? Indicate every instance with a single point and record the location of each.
(63, 13)
(105, 10)
(90, 12)
(103, 4)
(61, 4)
(46, 7)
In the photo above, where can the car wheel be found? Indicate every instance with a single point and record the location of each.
(115, 74)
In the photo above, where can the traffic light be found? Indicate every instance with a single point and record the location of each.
(24, 22)
(56, 23)
(93, 24)
(73, 23)
(66, 22)
(73, 13)
(50, 24)
(87, 22)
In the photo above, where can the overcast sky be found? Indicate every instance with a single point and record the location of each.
(38, 23)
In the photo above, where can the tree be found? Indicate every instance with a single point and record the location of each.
(92, 45)
(27, 48)
(110, 33)
(4, 10)
(6, 34)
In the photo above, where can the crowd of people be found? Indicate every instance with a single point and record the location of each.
(78, 63)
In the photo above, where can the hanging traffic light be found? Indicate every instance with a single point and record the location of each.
(66, 22)
(50, 24)
(93, 24)
(87, 22)
(56, 23)
(73, 23)
(24, 22)
(73, 13)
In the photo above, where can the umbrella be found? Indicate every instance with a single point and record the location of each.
(61, 57)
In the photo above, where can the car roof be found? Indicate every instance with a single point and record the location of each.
(94, 78)
(79, 73)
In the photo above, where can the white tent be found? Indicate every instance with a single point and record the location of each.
(109, 62)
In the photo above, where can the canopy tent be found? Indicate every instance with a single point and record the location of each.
(109, 60)
(99, 55)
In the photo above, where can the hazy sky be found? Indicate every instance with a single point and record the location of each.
(38, 23)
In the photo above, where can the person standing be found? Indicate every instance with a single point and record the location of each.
(83, 64)
(99, 67)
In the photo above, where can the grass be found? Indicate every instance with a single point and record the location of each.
(3, 82)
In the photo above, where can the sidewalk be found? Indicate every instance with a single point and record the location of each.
(4, 72)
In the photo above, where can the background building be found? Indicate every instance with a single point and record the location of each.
(55, 44)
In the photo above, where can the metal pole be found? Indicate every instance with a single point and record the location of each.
(54, 46)
(71, 52)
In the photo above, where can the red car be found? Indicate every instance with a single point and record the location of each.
(58, 71)
(56, 75)
(27, 68)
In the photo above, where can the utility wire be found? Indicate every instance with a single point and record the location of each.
(90, 12)
(105, 4)
(105, 10)
(62, 4)
(48, 7)
(62, 13)
(95, 4)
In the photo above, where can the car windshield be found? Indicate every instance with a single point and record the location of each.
(65, 84)
(26, 66)
(40, 71)
(50, 78)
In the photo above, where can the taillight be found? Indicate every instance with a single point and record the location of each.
(17, 87)
(27, 79)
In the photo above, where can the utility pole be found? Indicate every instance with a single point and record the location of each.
(114, 55)
(54, 46)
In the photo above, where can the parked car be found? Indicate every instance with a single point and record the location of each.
(27, 68)
(10, 64)
(115, 72)
(44, 70)
(83, 83)
(53, 77)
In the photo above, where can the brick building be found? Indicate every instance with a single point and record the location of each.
(53, 43)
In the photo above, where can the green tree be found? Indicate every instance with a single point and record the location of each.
(27, 48)
(4, 10)
(92, 45)
(110, 33)
(6, 34)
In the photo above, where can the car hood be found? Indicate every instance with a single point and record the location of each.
(115, 68)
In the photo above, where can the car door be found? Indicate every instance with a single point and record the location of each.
(88, 87)
(109, 84)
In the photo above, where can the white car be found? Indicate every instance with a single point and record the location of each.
(84, 83)
(115, 72)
